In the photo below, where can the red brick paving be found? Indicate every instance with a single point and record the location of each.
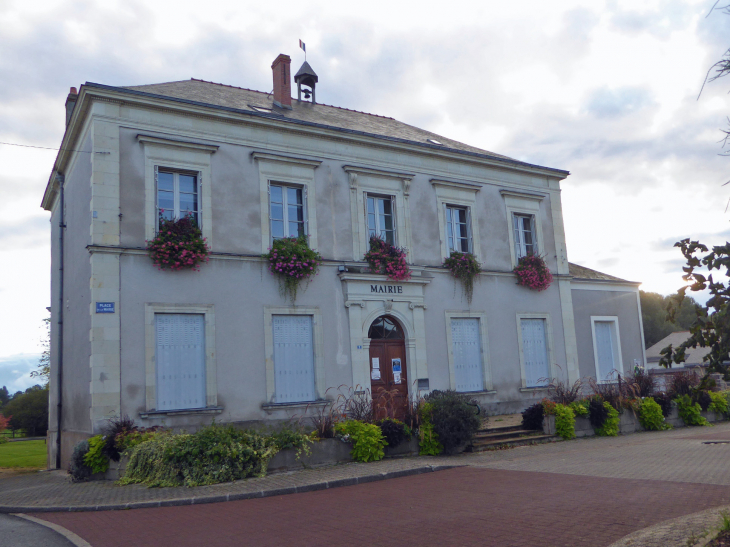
(465, 506)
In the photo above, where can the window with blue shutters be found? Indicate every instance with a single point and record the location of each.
(468, 370)
(293, 358)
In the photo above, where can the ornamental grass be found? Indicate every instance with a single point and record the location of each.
(532, 272)
(178, 245)
(384, 258)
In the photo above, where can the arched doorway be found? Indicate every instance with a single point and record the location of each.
(388, 371)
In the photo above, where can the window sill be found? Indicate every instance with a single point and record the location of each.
(270, 407)
(483, 392)
(181, 412)
(533, 389)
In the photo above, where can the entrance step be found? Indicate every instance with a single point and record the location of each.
(502, 437)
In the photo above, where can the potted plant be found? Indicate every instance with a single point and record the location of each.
(464, 267)
(532, 272)
(292, 262)
(384, 258)
(178, 245)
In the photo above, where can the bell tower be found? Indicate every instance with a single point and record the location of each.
(305, 76)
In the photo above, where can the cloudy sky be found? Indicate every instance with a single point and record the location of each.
(605, 89)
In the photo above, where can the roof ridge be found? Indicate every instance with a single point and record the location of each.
(264, 93)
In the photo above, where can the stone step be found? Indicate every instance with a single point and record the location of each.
(501, 429)
(481, 445)
(494, 434)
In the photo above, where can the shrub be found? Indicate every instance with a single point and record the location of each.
(651, 416)
(532, 272)
(597, 412)
(428, 440)
(213, 455)
(682, 383)
(367, 440)
(126, 440)
(606, 391)
(95, 458)
(454, 418)
(664, 401)
(292, 262)
(532, 416)
(610, 425)
(324, 420)
(718, 405)
(77, 468)
(291, 436)
(358, 405)
(641, 384)
(580, 408)
(384, 258)
(564, 422)
(689, 411)
(559, 392)
(179, 244)
(3, 426)
(703, 399)
(116, 426)
(394, 431)
(465, 268)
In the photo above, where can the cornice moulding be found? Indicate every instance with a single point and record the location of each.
(462, 185)
(286, 159)
(377, 172)
(522, 195)
(161, 141)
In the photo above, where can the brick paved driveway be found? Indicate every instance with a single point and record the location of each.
(584, 493)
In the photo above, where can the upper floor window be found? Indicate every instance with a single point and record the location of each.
(177, 195)
(286, 211)
(524, 229)
(380, 218)
(458, 231)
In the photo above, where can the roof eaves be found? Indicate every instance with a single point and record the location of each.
(556, 172)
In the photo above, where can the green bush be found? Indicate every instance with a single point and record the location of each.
(691, 413)
(428, 440)
(394, 431)
(610, 425)
(532, 417)
(454, 418)
(95, 458)
(719, 402)
(213, 455)
(580, 408)
(367, 440)
(77, 468)
(651, 416)
(564, 422)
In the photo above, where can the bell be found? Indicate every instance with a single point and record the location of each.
(307, 95)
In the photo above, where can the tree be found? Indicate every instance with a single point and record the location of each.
(712, 323)
(654, 310)
(29, 411)
(43, 371)
(4, 396)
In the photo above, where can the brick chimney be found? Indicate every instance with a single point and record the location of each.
(70, 103)
(282, 81)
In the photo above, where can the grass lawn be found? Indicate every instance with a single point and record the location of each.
(23, 454)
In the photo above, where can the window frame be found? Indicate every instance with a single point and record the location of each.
(317, 348)
(549, 344)
(484, 342)
(519, 229)
(619, 364)
(211, 379)
(285, 208)
(461, 195)
(451, 230)
(523, 204)
(176, 192)
(376, 196)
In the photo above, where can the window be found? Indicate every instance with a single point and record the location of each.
(606, 347)
(380, 218)
(524, 232)
(293, 358)
(287, 211)
(458, 231)
(533, 333)
(180, 361)
(465, 338)
(177, 195)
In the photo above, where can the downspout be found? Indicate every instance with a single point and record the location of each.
(61, 228)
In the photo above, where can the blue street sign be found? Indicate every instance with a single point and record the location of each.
(105, 307)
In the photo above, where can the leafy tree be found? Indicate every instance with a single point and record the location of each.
(43, 372)
(29, 411)
(712, 324)
(654, 311)
(4, 396)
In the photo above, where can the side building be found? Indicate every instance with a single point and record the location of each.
(180, 348)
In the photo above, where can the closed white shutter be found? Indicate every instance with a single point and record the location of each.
(604, 348)
(293, 358)
(467, 354)
(534, 349)
(180, 361)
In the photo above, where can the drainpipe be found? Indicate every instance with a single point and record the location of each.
(61, 228)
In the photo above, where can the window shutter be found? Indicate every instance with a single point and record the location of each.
(465, 338)
(293, 358)
(305, 203)
(604, 348)
(199, 212)
(534, 349)
(447, 228)
(468, 229)
(395, 221)
(180, 361)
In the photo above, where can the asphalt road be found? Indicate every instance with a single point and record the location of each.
(18, 532)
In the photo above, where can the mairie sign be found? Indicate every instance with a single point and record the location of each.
(389, 289)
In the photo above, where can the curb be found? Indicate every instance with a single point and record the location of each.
(325, 485)
(68, 534)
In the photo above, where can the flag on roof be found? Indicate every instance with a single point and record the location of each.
(303, 46)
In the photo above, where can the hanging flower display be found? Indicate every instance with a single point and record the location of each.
(178, 245)
(293, 262)
(384, 258)
(465, 268)
(532, 272)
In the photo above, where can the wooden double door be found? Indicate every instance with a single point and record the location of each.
(388, 370)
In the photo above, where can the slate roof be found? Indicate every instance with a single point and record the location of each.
(581, 272)
(694, 355)
(333, 117)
